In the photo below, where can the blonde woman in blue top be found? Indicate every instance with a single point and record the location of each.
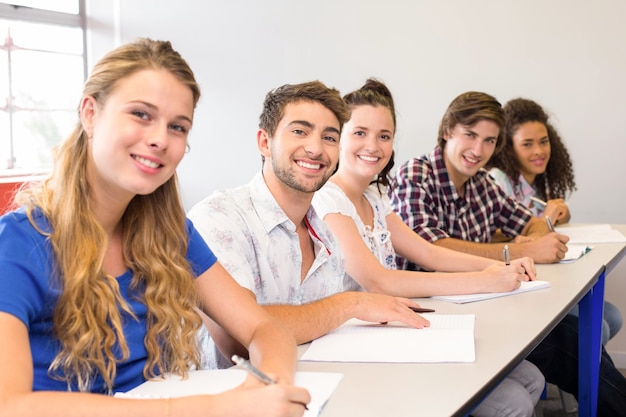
(103, 276)
(355, 206)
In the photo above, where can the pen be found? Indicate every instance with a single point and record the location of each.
(539, 201)
(550, 225)
(422, 309)
(507, 255)
(244, 363)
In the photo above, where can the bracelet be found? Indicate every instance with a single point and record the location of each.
(167, 407)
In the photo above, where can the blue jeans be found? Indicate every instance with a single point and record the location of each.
(611, 321)
(557, 357)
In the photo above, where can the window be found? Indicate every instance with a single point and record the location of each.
(42, 70)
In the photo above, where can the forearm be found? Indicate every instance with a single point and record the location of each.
(485, 250)
(226, 344)
(498, 237)
(55, 404)
(273, 348)
(536, 228)
(312, 320)
(413, 284)
(438, 258)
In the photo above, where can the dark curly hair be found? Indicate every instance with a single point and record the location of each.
(558, 179)
(375, 93)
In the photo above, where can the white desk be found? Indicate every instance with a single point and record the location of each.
(507, 329)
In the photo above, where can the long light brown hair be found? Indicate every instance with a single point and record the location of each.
(88, 316)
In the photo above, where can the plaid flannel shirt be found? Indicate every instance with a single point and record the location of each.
(425, 198)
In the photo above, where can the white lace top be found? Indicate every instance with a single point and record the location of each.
(332, 199)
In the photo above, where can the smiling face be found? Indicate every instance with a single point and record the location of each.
(139, 134)
(304, 150)
(468, 149)
(366, 142)
(532, 149)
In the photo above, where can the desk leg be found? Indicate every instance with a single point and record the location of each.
(591, 307)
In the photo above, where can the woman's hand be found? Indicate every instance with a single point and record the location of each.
(557, 210)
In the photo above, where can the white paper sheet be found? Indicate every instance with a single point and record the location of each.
(469, 298)
(321, 385)
(449, 339)
(597, 233)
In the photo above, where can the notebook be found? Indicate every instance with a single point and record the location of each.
(321, 385)
(450, 338)
(574, 252)
(470, 298)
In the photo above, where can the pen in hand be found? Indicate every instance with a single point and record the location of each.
(539, 201)
(247, 365)
(550, 225)
(244, 363)
(507, 255)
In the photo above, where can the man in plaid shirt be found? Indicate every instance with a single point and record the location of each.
(450, 200)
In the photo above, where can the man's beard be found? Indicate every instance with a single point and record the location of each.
(288, 178)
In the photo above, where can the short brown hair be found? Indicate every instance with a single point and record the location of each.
(277, 99)
(468, 109)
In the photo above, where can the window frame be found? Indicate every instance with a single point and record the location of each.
(33, 15)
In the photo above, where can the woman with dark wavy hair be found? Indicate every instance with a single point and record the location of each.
(534, 166)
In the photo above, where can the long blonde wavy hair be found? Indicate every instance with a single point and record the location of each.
(88, 317)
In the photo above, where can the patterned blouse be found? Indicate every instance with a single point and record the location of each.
(331, 199)
(522, 191)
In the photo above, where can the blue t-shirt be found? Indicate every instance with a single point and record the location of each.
(29, 292)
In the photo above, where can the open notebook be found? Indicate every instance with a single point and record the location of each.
(321, 385)
(574, 251)
(469, 298)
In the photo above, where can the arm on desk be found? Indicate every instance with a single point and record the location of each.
(312, 320)
(271, 346)
(550, 248)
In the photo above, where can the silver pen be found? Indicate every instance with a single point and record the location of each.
(507, 256)
(247, 365)
(550, 225)
(539, 201)
(244, 363)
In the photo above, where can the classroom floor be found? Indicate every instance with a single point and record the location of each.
(552, 406)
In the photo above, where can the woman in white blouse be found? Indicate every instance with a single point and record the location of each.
(354, 203)
(359, 213)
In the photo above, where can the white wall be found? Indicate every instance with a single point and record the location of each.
(568, 55)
